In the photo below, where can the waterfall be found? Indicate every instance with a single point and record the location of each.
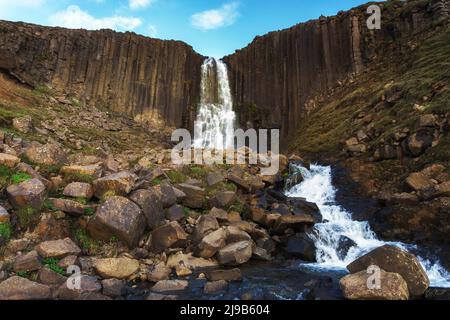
(215, 117)
(337, 222)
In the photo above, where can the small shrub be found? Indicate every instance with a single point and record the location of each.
(89, 211)
(156, 182)
(86, 242)
(5, 231)
(20, 177)
(23, 274)
(52, 264)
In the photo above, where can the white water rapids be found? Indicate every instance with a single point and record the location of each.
(317, 187)
(215, 118)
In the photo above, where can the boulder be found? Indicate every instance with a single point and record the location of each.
(28, 193)
(114, 287)
(227, 275)
(48, 154)
(417, 143)
(119, 217)
(158, 272)
(68, 261)
(261, 254)
(258, 215)
(297, 223)
(23, 124)
(88, 285)
(223, 199)
(419, 182)
(93, 171)
(50, 277)
(442, 190)
(240, 182)
(344, 245)
(175, 213)
(190, 261)
(396, 260)
(58, 248)
(214, 178)
(118, 268)
(211, 243)
(79, 190)
(68, 206)
(150, 203)
(235, 234)
(8, 160)
(215, 287)
(18, 288)
(168, 236)
(236, 253)
(195, 196)
(205, 225)
(220, 214)
(170, 286)
(301, 246)
(393, 287)
(117, 184)
(428, 120)
(168, 195)
(27, 262)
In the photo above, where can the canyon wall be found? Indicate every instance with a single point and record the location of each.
(146, 78)
(278, 79)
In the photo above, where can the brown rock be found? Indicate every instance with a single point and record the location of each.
(113, 287)
(170, 235)
(28, 193)
(223, 199)
(50, 277)
(215, 287)
(419, 182)
(93, 171)
(195, 196)
(151, 205)
(392, 287)
(68, 261)
(235, 234)
(205, 225)
(168, 195)
(214, 178)
(190, 261)
(117, 184)
(258, 215)
(175, 213)
(297, 223)
(158, 272)
(118, 268)
(4, 215)
(227, 275)
(79, 190)
(58, 248)
(18, 288)
(48, 154)
(170, 286)
(88, 285)
(211, 243)
(8, 160)
(240, 182)
(23, 124)
(236, 253)
(69, 206)
(27, 262)
(396, 260)
(119, 217)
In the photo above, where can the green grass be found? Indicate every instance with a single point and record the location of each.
(48, 205)
(88, 244)
(78, 177)
(52, 264)
(5, 176)
(5, 231)
(27, 216)
(198, 172)
(176, 176)
(156, 182)
(20, 177)
(89, 211)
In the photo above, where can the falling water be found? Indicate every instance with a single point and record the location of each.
(215, 118)
(337, 222)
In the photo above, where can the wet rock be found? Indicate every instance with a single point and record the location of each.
(48, 154)
(419, 182)
(301, 246)
(236, 253)
(119, 217)
(344, 245)
(160, 297)
(151, 205)
(215, 287)
(170, 235)
(18, 288)
(158, 272)
(223, 199)
(214, 178)
(227, 275)
(195, 196)
(118, 268)
(118, 184)
(297, 223)
(69, 206)
(8, 160)
(93, 171)
(113, 287)
(437, 294)
(23, 124)
(170, 286)
(404, 198)
(211, 243)
(396, 260)
(261, 254)
(393, 287)
(28, 193)
(27, 262)
(58, 248)
(50, 277)
(79, 190)
(258, 215)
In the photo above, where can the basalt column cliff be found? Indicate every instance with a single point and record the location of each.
(146, 78)
(279, 78)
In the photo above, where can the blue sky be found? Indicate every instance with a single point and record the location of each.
(213, 27)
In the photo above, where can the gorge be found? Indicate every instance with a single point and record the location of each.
(86, 177)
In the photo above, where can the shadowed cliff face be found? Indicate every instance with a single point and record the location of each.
(279, 78)
(146, 78)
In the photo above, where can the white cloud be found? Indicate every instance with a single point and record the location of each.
(152, 31)
(74, 17)
(216, 18)
(22, 3)
(140, 4)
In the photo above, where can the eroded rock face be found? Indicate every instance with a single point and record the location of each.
(76, 61)
(119, 217)
(392, 287)
(396, 260)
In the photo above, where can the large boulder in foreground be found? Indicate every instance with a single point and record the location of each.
(396, 260)
(18, 288)
(195, 196)
(392, 287)
(118, 184)
(151, 206)
(167, 236)
(119, 217)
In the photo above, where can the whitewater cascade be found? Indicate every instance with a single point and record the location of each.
(215, 117)
(317, 187)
